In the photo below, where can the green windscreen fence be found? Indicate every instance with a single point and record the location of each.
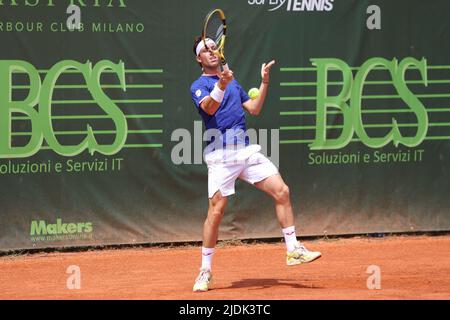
(100, 142)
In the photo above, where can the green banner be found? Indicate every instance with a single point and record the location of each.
(100, 142)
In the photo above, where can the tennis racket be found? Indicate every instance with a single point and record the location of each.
(215, 28)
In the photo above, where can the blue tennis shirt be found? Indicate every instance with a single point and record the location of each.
(230, 115)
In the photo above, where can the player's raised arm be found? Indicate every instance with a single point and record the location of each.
(254, 106)
(212, 102)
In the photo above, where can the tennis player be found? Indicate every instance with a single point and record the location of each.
(221, 102)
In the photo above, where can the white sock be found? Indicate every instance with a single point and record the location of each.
(207, 255)
(290, 238)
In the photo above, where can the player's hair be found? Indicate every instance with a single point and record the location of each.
(198, 39)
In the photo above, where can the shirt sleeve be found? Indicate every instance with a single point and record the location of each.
(243, 94)
(199, 91)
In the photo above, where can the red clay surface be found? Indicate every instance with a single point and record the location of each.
(411, 268)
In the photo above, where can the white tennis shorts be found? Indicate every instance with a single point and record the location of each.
(225, 166)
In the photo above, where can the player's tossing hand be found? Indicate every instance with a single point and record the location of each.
(265, 70)
(226, 77)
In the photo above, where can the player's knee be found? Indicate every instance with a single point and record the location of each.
(214, 215)
(216, 212)
(282, 194)
(216, 209)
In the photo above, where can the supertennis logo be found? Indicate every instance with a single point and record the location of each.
(295, 5)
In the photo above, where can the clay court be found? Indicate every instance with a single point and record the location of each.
(412, 267)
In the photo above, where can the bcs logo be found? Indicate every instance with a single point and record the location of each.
(41, 94)
(296, 5)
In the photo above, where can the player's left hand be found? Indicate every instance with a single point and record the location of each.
(265, 70)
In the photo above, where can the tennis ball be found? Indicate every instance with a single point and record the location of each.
(253, 93)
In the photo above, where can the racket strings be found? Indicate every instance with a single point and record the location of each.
(215, 29)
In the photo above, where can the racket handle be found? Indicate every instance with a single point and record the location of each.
(225, 67)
